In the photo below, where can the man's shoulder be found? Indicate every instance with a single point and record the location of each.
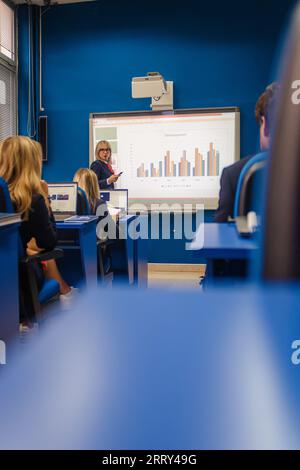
(237, 167)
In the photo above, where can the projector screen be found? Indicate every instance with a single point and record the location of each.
(170, 156)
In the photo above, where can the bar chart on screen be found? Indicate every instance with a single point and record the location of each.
(176, 157)
(169, 168)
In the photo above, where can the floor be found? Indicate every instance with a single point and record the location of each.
(175, 276)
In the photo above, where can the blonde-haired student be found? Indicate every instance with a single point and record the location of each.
(107, 229)
(87, 180)
(21, 168)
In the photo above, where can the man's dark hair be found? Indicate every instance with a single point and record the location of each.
(265, 104)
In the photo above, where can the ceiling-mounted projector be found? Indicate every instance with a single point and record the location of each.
(153, 85)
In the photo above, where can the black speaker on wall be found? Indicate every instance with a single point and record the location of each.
(43, 136)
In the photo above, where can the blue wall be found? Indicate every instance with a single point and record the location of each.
(217, 53)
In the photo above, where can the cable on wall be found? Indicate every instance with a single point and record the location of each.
(41, 14)
(31, 120)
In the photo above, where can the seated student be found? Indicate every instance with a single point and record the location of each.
(230, 175)
(87, 180)
(107, 229)
(263, 113)
(21, 166)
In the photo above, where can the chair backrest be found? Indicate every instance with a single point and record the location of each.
(2, 201)
(6, 204)
(281, 254)
(83, 206)
(250, 184)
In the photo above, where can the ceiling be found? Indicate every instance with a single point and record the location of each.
(53, 2)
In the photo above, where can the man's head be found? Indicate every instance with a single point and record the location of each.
(264, 111)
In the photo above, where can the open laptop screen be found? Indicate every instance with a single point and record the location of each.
(117, 198)
(63, 197)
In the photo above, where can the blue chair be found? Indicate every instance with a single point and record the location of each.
(2, 201)
(83, 206)
(249, 185)
(32, 299)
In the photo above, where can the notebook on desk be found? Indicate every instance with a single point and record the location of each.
(7, 218)
(63, 197)
(248, 225)
(80, 218)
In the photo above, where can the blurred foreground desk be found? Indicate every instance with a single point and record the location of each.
(79, 242)
(9, 284)
(222, 242)
(161, 370)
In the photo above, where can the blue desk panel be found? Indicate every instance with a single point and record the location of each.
(161, 370)
(141, 247)
(9, 283)
(123, 255)
(79, 242)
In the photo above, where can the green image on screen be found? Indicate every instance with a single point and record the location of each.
(106, 133)
(114, 146)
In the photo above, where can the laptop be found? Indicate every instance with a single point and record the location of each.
(117, 201)
(63, 198)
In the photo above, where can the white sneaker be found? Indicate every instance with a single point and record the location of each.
(27, 333)
(67, 300)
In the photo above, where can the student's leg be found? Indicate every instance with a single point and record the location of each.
(51, 271)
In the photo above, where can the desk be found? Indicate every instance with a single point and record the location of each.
(161, 370)
(131, 263)
(221, 241)
(9, 284)
(79, 242)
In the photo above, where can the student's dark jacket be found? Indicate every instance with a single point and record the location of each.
(40, 224)
(229, 181)
(103, 173)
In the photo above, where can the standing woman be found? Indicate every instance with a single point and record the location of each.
(101, 166)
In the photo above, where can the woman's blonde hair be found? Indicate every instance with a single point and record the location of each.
(21, 167)
(87, 180)
(98, 147)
